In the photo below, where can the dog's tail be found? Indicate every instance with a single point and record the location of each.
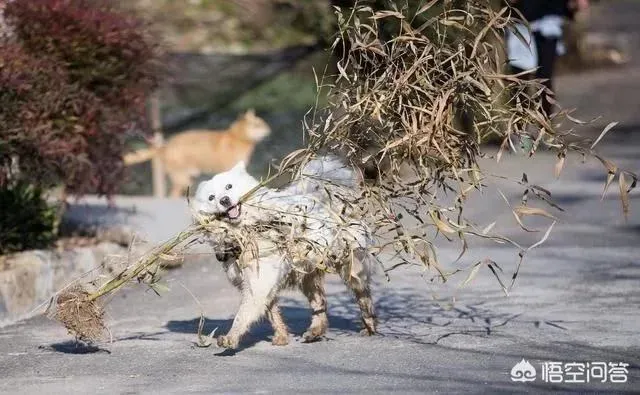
(324, 172)
(140, 156)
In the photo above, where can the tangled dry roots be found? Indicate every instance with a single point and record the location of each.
(81, 316)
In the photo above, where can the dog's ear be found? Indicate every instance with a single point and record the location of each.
(250, 113)
(201, 190)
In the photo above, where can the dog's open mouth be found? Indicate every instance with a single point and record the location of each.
(234, 211)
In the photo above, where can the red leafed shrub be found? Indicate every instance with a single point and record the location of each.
(42, 116)
(74, 78)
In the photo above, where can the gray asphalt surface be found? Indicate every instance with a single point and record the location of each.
(576, 300)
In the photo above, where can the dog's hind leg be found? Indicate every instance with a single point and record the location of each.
(261, 282)
(357, 276)
(180, 181)
(313, 288)
(280, 330)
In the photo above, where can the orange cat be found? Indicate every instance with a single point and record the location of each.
(191, 153)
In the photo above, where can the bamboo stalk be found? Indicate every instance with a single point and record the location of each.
(145, 262)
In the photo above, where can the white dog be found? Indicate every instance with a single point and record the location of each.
(260, 279)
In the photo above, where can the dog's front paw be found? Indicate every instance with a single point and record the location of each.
(313, 335)
(228, 342)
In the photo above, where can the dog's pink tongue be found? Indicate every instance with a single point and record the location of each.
(234, 212)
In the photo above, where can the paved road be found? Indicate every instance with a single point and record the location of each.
(576, 300)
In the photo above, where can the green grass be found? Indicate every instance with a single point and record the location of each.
(286, 92)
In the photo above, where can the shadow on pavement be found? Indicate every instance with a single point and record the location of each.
(297, 319)
(74, 347)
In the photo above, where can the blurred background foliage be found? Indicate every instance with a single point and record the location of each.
(239, 26)
(220, 57)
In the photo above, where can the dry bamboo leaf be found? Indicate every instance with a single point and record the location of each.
(611, 172)
(525, 210)
(559, 165)
(610, 177)
(544, 238)
(342, 71)
(605, 131)
(484, 32)
(472, 274)
(386, 14)
(579, 122)
(441, 225)
(515, 215)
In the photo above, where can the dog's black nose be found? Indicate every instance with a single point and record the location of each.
(225, 201)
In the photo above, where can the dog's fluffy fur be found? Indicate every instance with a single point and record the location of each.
(189, 154)
(260, 279)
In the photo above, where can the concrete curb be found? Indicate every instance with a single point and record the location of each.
(29, 279)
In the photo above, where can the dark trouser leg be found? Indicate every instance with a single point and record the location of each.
(546, 47)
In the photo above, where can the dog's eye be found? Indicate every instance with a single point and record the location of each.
(211, 197)
(229, 186)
